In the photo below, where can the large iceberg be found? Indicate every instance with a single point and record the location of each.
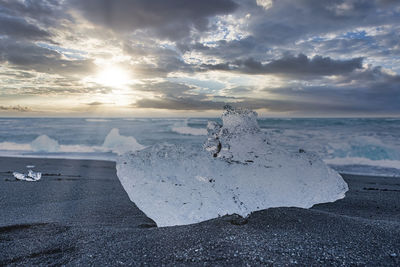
(239, 171)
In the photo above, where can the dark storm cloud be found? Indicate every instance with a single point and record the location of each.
(292, 65)
(227, 50)
(342, 46)
(179, 103)
(372, 76)
(202, 103)
(20, 28)
(29, 56)
(385, 43)
(198, 103)
(31, 8)
(165, 88)
(175, 96)
(163, 61)
(366, 91)
(172, 19)
(288, 20)
(370, 91)
(46, 12)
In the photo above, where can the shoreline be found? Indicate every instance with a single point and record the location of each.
(110, 159)
(79, 214)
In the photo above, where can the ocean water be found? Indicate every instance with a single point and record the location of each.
(359, 145)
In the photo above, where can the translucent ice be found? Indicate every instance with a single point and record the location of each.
(238, 171)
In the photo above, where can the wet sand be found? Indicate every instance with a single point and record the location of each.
(79, 214)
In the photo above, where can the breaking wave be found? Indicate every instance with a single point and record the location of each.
(114, 143)
(345, 144)
(183, 128)
(96, 120)
(120, 144)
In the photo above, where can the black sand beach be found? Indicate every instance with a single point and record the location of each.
(79, 214)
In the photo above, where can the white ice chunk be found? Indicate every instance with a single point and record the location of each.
(43, 143)
(34, 175)
(239, 171)
(19, 176)
(121, 144)
(30, 177)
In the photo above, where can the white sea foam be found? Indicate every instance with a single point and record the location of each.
(120, 144)
(189, 130)
(136, 119)
(385, 163)
(96, 120)
(114, 142)
(183, 128)
(80, 149)
(43, 143)
(239, 171)
(11, 146)
(374, 143)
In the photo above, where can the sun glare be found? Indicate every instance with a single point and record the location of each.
(113, 77)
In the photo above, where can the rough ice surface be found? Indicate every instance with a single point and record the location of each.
(30, 177)
(120, 144)
(238, 171)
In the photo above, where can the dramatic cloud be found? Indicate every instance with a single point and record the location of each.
(127, 57)
(169, 19)
(29, 56)
(201, 103)
(287, 21)
(20, 28)
(293, 65)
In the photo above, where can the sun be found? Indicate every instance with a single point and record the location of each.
(113, 76)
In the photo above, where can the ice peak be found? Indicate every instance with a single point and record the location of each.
(238, 119)
(238, 135)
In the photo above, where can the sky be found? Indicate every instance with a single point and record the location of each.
(123, 58)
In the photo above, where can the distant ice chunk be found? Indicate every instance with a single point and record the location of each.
(43, 143)
(238, 171)
(30, 177)
(120, 144)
